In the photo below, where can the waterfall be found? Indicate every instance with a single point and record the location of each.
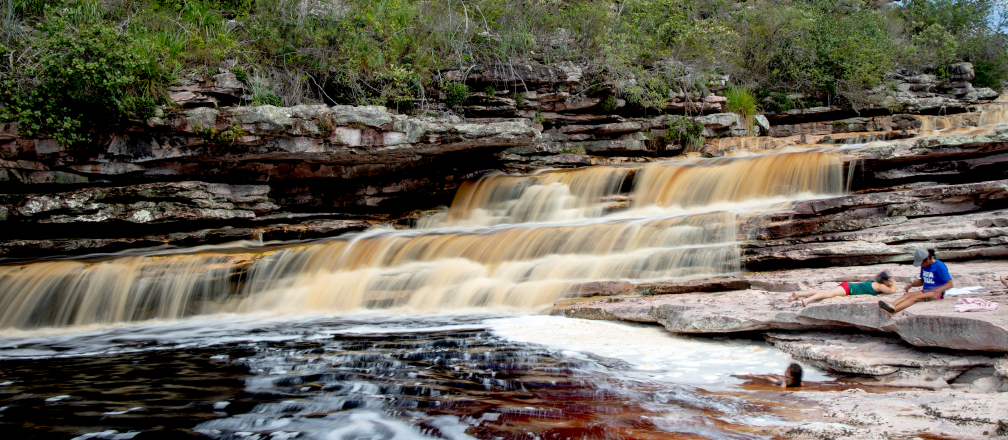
(507, 242)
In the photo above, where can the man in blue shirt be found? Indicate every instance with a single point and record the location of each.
(934, 278)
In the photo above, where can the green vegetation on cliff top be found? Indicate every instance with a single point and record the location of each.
(73, 68)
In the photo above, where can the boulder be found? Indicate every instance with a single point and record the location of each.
(986, 94)
(572, 73)
(763, 124)
(961, 72)
(719, 121)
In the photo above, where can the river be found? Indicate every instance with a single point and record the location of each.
(430, 332)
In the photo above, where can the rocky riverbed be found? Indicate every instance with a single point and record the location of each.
(856, 413)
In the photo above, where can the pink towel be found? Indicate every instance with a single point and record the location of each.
(975, 305)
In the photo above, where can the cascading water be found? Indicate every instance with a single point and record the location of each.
(538, 197)
(507, 242)
(353, 358)
(986, 115)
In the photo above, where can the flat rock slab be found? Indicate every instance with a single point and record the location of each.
(889, 360)
(857, 414)
(931, 324)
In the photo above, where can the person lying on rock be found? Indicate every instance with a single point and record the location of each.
(1004, 280)
(792, 377)
(881, 284)
(934, 277)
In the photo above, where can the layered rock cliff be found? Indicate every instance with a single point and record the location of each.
(205, 172)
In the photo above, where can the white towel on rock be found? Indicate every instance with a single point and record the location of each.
(971, 290)
(975, 305)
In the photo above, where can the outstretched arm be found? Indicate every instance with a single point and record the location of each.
(771, 379)
(916, 283)
(882, 288)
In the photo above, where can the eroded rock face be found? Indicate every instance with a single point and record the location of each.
(220, 89)
(887, 360)
(337, 162)
(277, 229)
(155, 202)
(876, 232)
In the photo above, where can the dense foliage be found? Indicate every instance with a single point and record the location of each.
(66, 58)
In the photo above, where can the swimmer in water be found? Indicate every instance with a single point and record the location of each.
(792, 377)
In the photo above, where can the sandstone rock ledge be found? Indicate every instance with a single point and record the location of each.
(857, 414)
(764, 306)
(928, 345)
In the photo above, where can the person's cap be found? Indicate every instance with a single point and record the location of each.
(920, 254)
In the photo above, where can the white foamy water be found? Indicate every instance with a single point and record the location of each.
(654, 353)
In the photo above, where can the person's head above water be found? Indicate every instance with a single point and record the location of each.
(883, 277)
(924, 257)
(793, 375)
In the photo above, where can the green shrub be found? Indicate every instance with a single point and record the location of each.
(989, 55)
(780, 103)
(742, 102)
(389, 52)
(608, 104)
(519, 99)
(937, 46)
(456, 93)
(958, 16)
(822, 48)
(402, 103)
(970, 24)
(143, 107)
(240, 74)
(686, 132)
(82, 81)
(489, 91)
(266, 98)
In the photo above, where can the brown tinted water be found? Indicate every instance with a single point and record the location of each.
(329, 379)
(507, 243)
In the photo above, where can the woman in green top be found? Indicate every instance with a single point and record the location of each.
(881, 284)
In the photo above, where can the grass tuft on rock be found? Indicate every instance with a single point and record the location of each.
(742, 102)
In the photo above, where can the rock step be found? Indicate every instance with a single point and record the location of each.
(21, 250)
(888, 361)
(931, 324)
